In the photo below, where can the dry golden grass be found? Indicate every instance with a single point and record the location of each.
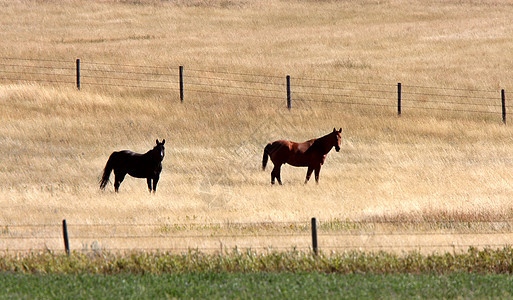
(422, 166)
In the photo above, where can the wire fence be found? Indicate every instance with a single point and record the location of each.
(263, 236)
(285, 91)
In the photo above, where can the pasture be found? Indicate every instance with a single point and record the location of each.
(424, 165)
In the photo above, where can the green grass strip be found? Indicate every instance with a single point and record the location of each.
(255, 286)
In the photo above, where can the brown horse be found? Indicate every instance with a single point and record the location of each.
(309, 154)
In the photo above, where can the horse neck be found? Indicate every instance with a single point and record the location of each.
(150, 154)
(323, 144)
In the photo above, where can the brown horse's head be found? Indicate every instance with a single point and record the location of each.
(337, 138)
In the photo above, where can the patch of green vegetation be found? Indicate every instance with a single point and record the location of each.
(255, 285)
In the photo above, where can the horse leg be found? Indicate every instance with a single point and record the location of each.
(279, 175)
(155, 181)
(118, 179)
(317, 171)
(148, 181)
(275, 174)
(308, 173)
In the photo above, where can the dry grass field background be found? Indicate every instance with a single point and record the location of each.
(424, 165)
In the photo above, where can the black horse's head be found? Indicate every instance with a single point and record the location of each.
(159, 150)
(337, 137)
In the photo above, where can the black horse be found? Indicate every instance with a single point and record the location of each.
(147, 165)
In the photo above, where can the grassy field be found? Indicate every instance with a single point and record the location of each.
(55, 140)
(284, 275)
(257, 286)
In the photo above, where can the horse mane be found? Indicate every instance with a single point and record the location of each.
(150, 151)
(320, 142)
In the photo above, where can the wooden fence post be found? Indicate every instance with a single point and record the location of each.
(78, 74)
(289, 101)
(181, 83)
(503, 100)
(399, 99)
(65, 234)
(314, 236)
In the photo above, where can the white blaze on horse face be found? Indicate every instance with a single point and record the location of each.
(162, 153)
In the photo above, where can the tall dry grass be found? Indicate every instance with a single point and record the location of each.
(56, 140)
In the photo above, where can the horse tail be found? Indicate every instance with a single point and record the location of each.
(106, 172)
(266, 155)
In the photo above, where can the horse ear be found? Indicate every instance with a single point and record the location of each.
(334, 129)
(340, 130)
(163, 141)
(157, 141)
